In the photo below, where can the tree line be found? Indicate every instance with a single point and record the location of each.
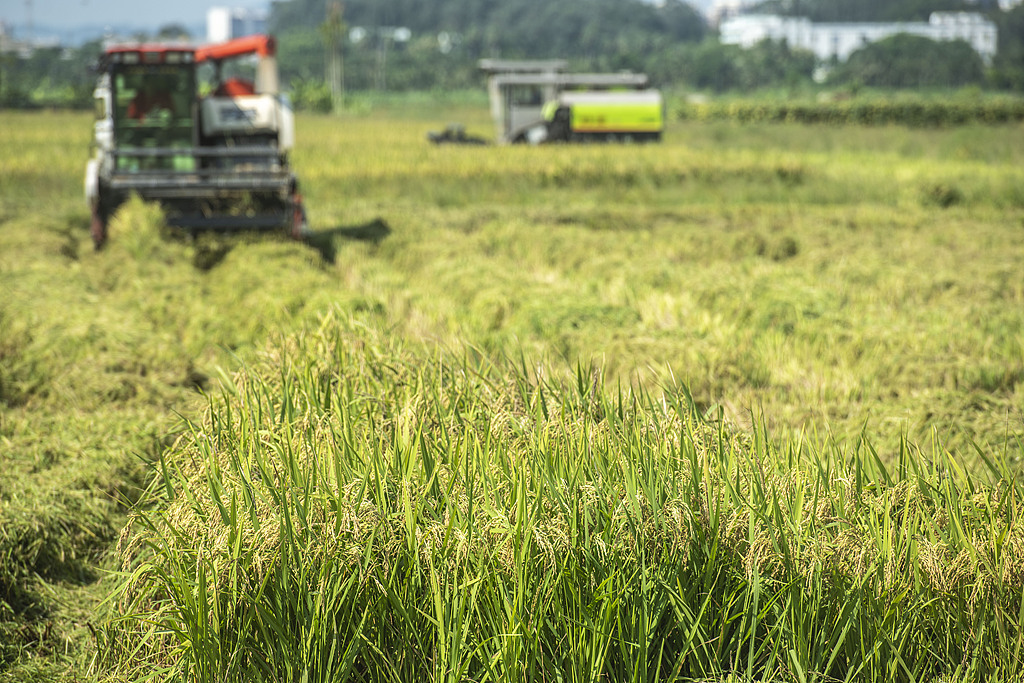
(669, 41)
(328, 48)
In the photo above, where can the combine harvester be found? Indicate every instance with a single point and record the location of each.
(536, 101)
(217, 161)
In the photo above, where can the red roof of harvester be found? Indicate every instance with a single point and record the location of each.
(150, 48)
(156, 53)
(261, 45)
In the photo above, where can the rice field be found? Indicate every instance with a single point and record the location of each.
(746, 405)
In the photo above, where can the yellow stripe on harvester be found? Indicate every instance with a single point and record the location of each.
(615, 112)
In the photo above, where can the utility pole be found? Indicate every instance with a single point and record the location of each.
(382, 59)
(332, 31)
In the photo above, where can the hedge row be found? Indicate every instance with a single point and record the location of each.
(868, 113)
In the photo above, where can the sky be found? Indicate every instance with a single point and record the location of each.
(62, 15)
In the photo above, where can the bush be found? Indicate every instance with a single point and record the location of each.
(918, 113)
(312, 95)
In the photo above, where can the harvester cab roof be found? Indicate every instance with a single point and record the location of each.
(214, 155)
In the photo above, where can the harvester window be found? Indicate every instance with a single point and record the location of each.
(153, 109)
(234, 78)
(526, 95)
(154, 96)
(151, 100)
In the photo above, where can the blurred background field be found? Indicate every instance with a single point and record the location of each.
(838, 283)
(831, 278)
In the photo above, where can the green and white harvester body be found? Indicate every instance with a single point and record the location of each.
(538, 102)
(215, 156)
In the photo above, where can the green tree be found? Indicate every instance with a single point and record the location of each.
(300, 54)
(711, 66)
(50, 77)
(173, 32)
(606, 34)
(907, 61)
(771, 63)
(593, 34)
(720, 68)
(1008, 68)
(868, 10)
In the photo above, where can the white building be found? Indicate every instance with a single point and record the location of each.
(839, 40)
(225, 23)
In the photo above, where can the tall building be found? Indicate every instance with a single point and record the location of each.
(225, 23)
(839, 40)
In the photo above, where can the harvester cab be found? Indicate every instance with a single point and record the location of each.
(216, 160)
(537, 101)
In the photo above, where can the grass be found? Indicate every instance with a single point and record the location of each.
(829, 298)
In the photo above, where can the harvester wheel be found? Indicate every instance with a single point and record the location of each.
(98, 226)
(560, 127)
(300, 228)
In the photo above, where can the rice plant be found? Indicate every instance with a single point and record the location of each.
(355, 508)
(830, 296)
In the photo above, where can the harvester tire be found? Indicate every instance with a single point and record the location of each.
(560, 128)
(98, 225)
(300, 227)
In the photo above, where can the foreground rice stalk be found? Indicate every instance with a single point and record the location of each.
(349, 509)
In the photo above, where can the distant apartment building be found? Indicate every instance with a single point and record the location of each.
(840, 40)
(225, 23)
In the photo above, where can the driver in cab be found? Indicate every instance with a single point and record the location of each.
(150, 99)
